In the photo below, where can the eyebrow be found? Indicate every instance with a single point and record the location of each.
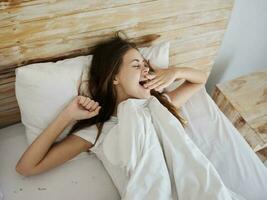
(137, 60)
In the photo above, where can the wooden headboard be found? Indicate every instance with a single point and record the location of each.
(49, 30)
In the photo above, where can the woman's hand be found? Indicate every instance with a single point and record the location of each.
(82, 107)
(161, 78)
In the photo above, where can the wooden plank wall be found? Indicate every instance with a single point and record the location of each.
(38, 31)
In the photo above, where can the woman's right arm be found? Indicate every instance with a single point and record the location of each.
(43, 154)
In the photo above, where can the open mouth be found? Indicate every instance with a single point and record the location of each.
(141, 83)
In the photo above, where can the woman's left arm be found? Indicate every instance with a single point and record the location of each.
(194, 80)
(191, 75)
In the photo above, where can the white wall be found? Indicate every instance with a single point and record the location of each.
(244, 46)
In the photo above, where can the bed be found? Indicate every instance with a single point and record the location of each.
(42, 31)
(85, 177)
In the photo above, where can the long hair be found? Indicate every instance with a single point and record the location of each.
(106, 62)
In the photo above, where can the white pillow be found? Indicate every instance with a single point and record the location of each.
(44, 89)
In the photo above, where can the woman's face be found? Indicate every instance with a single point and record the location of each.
(132, 71)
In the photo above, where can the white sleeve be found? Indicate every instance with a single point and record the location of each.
(88, 133)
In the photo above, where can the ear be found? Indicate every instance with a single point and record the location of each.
(116, 81)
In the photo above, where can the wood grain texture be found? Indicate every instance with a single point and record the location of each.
(49, 30)
(244, 101)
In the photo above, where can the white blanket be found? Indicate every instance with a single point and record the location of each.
(158, 158)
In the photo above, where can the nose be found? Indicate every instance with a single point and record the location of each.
(145, 69)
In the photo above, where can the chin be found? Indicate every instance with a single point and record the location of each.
(146, 95)
(141, 93)
(141, 96)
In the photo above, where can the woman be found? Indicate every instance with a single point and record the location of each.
(118, 72)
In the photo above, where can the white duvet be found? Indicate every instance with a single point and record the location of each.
(158, 158)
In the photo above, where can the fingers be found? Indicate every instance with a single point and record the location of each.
(150, 76)
(156, 86)
(88, 103)
(91, 107)
(163, 85)
(95, 112)
(153, 83)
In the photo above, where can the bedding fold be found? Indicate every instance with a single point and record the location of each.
(160, 161)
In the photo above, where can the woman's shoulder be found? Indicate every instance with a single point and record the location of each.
(109, 124)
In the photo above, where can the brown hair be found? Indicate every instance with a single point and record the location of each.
(106, 62)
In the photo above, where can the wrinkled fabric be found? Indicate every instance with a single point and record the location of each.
(159, 159)
(237, 164)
